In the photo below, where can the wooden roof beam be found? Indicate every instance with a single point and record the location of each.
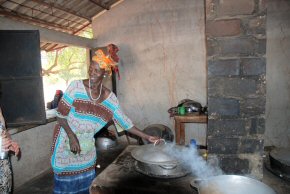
(100, 5)
(53, 5)
(22, 17)
(49, 35)
(56, 47)
(75, 32)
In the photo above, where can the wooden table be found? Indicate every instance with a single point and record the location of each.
(180, 121)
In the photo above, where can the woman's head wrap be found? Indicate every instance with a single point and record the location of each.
(109, 61)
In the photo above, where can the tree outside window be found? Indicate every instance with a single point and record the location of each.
(60, 67)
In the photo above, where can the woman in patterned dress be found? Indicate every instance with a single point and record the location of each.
(5, 165)
(86, 107)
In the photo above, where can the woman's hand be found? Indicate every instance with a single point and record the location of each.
(8, 144)
(74, 144)
(73, 140)
(153, 139)
(15, 148)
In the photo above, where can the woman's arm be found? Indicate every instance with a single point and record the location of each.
(73, 140)
(121, 120)
(8, 144)
(134, 130)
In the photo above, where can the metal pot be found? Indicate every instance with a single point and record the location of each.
(280, 160)
(155, 161)
(104, 143)
(231, 184)
(152, 154)
(161, 171)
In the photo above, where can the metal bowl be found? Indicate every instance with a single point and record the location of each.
(231, 184)
(104, 143)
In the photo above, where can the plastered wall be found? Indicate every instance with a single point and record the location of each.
(162, 50)
(163, 61)
(35, 144)
(278, 74)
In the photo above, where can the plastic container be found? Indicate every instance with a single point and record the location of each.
(193, 143)
(181, 110)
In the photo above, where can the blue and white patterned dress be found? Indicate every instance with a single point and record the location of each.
(85, 118)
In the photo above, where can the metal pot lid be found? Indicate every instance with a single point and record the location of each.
(282, 155)
(155, 154)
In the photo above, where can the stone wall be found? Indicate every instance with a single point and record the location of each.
(236, 48)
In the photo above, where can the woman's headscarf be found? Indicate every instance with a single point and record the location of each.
(110, 61)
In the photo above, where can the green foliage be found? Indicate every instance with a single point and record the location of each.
(87, 33)
(65, 65)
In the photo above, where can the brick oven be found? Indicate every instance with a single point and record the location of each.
(236, 48)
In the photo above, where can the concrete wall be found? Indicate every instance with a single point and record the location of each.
(162, 50)
(278, 74)
(35, 146)
(47, 35)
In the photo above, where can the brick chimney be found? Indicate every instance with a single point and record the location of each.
(236, 49)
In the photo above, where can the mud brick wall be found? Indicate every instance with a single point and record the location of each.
(236, 49)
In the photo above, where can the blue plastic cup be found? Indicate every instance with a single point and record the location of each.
(193, 143)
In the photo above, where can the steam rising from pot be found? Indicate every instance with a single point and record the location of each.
(191, 158)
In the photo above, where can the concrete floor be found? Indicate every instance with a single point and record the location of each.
(44, 183)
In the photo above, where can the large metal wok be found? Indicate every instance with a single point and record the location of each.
(231, 184)
(156, 161)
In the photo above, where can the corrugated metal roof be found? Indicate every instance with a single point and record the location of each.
(69, 16)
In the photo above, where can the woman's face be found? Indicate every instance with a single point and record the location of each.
(95, 72)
